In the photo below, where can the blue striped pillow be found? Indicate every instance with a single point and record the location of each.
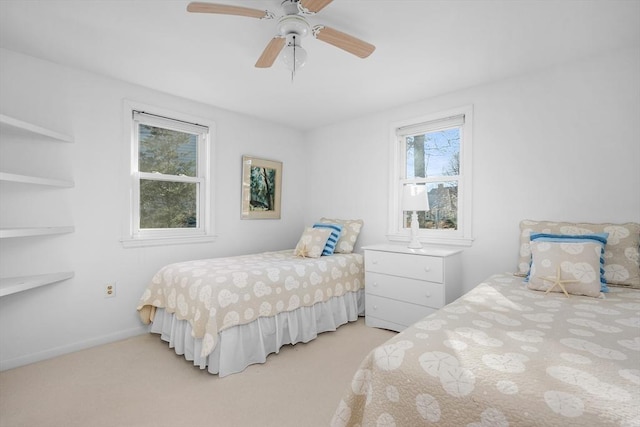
(336, 230)
(600, 238)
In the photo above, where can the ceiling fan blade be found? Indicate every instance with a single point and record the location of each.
(271, 52)
(344, 41)
(314, 6)
(225, 9)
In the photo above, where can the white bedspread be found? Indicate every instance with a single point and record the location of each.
(504, 355)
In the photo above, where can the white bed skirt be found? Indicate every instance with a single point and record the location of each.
(244, 345)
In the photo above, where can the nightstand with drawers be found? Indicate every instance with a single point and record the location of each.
(404, 285)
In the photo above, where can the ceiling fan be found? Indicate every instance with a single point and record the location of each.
(292, 27)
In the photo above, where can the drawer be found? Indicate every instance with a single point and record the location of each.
(403, 289)
(397, 312)
(419, 267)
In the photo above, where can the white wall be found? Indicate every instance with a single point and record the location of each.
(559, 144)
(58, 318)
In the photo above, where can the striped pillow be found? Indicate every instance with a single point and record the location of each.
(336, 230)
(350, 230)
(600, 238)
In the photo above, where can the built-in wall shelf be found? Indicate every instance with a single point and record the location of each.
(28, 179)
(12, 285)
(10, 123)
(15, 130)
(6, 233)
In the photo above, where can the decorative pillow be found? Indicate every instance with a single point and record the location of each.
(621, 258)
(572, 265)
(599, 238)
(312, 242)
(350, 231)
(336, 229)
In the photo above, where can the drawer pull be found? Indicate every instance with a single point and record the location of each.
(375, 284)
(374, 262)
(428, 294)
(375, 307)
(427, 269)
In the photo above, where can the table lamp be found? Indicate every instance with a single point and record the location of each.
(414, 198)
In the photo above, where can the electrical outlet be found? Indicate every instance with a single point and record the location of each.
(110, 290)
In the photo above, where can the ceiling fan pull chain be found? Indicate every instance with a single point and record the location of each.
(293, 71)
(294, 54)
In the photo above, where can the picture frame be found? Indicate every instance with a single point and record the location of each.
(261, 188)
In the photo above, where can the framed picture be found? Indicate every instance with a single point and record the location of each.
(261, 188)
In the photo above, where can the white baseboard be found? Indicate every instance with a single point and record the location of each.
(65, 349)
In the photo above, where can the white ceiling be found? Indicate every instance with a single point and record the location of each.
(423, 48)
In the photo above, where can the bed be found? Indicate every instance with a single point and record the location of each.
(227, 313)
(509, 353)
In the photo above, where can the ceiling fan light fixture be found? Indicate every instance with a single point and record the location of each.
(293, 55)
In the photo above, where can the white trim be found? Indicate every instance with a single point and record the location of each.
(463, 236)
(154, 176)
(432, 240)
(144, 242)
(66, 349)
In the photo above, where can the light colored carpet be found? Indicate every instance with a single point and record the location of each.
(141, 382)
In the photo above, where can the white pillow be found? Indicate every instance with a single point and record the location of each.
(312, 242)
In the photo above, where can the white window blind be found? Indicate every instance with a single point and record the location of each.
(432, 125)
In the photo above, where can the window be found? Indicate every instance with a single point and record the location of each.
(169, 180)
(433, 151)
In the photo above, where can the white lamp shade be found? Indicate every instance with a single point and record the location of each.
(414, 198)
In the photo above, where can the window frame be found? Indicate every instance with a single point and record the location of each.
(134, 236)
(432, 122)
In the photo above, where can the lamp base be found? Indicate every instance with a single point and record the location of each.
(414, 243)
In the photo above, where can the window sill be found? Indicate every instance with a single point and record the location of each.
(165, 241)
(452, 241)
